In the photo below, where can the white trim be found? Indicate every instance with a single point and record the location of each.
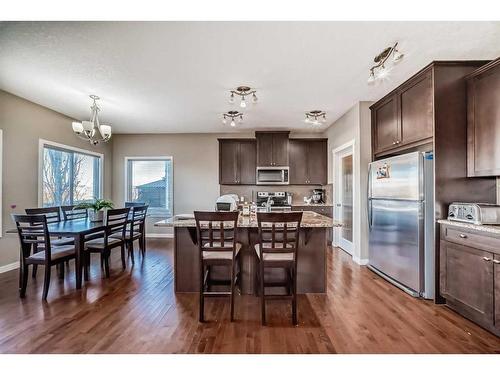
(9, 267)
(360, 261)
(42, 142)
(159, 235)
(127, 158)
(350, 145)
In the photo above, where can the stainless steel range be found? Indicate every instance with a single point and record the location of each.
(273, 201)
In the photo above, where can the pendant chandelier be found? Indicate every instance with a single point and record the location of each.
(315, 117)
(380, 71)
(243, 92)
(92, 131)
(232, 115)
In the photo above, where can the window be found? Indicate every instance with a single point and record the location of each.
(68, 175)
(149, 180)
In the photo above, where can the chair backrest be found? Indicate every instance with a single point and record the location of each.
(138, 217)
(116, 221)
(72, 213)
(279, 232)
(216, 231)
(134, 204)
(53, 214)
(33, 232)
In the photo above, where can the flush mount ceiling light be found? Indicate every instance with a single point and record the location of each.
(243, 92)
(381, 68)
(315, 117)
(231, 115)
(92, 131)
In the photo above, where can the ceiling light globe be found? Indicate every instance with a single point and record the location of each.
(224, 121)
(254, 98)
(397, 56)
(105, 131)
(231, 99)
(240, 119)
(233, 123)
(243, 103)
(88, 126)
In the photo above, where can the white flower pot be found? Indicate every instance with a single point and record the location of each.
(96, 215)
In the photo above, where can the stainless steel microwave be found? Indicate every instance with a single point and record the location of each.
(272, 175)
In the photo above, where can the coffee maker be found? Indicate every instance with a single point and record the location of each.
(318, 196)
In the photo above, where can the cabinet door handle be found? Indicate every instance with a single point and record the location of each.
(496, 261)
(394, 142)
(463, 236)
(486, 259)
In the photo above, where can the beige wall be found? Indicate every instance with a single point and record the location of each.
(196, 167)
(23, 124)
(355, 125)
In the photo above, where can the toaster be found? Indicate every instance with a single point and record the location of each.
(474, 213)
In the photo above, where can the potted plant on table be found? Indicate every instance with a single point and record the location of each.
(96, 208)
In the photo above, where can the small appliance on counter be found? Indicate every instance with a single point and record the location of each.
(277, 201)
(227, 202)
(474, 213)
(318, 196)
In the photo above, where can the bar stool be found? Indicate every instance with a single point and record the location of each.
(278, 248)
(216, 234)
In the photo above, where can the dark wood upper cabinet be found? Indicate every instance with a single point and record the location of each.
(237, 161)
(404, 118)
(272, 149)
(308, 161)
(416, 109)
(385, 124)
(483, 121)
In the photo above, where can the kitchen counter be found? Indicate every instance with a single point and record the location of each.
(312, 204)
(309, 220)
(494, 229)
(311, 261)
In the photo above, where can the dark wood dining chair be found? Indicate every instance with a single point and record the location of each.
(136, 230)
(73, 212)
(278, 248)
(135, 204)
(114, 236)
(53, 215)
(33, 233)
(216, 234)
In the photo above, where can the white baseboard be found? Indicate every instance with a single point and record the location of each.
(160, 235)
(360, 261)
(9, 267)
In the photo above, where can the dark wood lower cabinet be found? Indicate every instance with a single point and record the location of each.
(469, 276)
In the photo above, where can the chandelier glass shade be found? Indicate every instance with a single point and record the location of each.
(92, 131)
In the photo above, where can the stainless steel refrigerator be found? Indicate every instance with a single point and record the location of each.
(401, 221)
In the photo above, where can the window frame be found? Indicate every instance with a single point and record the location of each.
(128, 191)
(41, 146)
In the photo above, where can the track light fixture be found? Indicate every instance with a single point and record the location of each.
(381, 69)
(232, 115)
(243, 92)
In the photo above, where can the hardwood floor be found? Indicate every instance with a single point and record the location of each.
(136, 311)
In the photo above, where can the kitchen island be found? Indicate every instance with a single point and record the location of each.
(311, 258)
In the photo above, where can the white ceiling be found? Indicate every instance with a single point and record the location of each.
(171, 77)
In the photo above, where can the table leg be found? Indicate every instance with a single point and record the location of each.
(79, 260)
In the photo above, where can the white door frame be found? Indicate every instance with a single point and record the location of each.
(343, 149)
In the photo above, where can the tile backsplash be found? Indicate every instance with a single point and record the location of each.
(249, 192)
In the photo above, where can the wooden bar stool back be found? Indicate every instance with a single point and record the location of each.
(278, 248)
(216, 235)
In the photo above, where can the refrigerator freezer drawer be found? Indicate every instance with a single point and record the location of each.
(397, 240)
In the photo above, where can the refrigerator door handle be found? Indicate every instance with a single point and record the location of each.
(368, 199)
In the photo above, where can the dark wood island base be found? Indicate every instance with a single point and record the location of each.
(311, 258)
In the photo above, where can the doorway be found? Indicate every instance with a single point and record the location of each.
(343, 189)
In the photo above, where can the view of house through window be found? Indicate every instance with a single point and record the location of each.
(69, 177)
(150, 181)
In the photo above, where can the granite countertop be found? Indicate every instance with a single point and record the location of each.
(483, 228)
(309, 220)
